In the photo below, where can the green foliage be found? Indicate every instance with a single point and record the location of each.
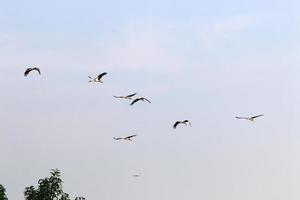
(48, 189)
(2, 193)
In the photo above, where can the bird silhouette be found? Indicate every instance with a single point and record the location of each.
(127, 96)
(125, 138)
(28, 70)
(139, 99)
(250, 118)
(79, 198)
(98, 78)
(185, 122)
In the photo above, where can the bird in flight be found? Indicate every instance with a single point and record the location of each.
(136, 175)
(125, 138)
(250, 118)
(98, 78)
(139, 99)
(28, 70)
(185, 122)
(126, 97)
(79, 198)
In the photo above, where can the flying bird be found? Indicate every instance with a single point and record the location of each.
(136, 175)
(28, 70)
(125, 138)
(139, 99)
(79, 198)
(126, 97)
(185, 122)
(98, 78)
(250, 118)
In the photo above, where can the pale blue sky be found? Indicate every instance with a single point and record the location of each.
(206, 61)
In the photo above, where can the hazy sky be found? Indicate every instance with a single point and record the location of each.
(206, 61)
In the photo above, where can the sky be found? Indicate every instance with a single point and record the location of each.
(206, 61)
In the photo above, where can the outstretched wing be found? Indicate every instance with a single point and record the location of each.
(100, 75)
(90, 77)
(37, 69)
(131, 95)
(118, 96)
(117, 138)
(241, 117)
(130, 136)
(257, 116)
(27, 71)
(147, 100)
(176, 123)
(134, 101)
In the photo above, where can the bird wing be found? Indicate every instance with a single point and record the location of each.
(130, 136)
(37, 69)
(100, 75)
(176, 123)
(117, 138)
(147, 100)
(257, 116)
(27, 71)
(90, 77)
(134, 101)
(131, 95)
(241, 117)
(118, 96)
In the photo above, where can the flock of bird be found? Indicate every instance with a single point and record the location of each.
(98, 79)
